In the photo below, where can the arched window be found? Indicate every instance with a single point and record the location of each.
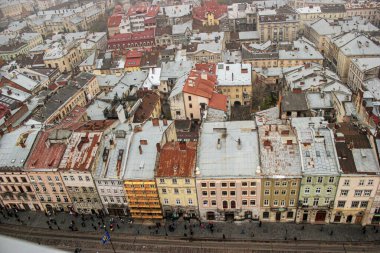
(233, 204)
(225, 204)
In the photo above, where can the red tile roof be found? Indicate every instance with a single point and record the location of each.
(134, 54)
(200, 84)
(143, 8)
(209, 6)
(114, 20)
(175, 162)
(133, 62)
(218, 102)
(208, 67)
(44, 156)
(147, 34)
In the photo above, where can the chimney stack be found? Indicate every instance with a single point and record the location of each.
(182, 145)
(239, 144)
(158, 147)
(140, 150)
(219, 145)
(155, 122)
(165, 122)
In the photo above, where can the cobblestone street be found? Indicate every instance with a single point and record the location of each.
(229, 230)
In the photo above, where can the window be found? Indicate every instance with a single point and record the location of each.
(265, 215)
(283, 192)
(225, 204)
(174, 181)
(232, 184)
(289, 215)
(331, 180)
(252, 202)
(232, 193)
(320, 179)
(327, 201)
(162, 181)
(354, 204)
(244, 202)
(244, 193)
(188, 191)
(81, 179)
(176, 191)
(318, 190)
(233, 204)
(275, 202)
(224, 193)
(189, 97)
(187, 181)
(346, 182)
(316, 202)
(329, 190)
(190, 201)
(306, 201)
(291, 202)
(267, 183)
(293, 192)
(361, 182)
(87, 178)
(294, 183)
(370, 182)
(213, 202)
(307, 190)
(204, 193)
(253, 184)
(31, 179)
(277, 183)
(276, 192)
(266, 202)
(224, 184)
(164, 191)
(253, 193)
(358, 193)
(341, 204)
(204, 185)
(284, 183)
(244, 184)
(178, 201)
(266, 192)
(367, 193)
(190, 105)
(282, 203)
(72, 178)
(364, 204)
(166, 201)
(343, 192)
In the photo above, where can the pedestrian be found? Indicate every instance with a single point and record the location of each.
(117, 225)
(28, 217)
(331, 233)
(295, 238)
(185, 227)
(260, 224)
(376, 231)
(224, 236)
(58, 228)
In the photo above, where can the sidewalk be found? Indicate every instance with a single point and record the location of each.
(231, 230)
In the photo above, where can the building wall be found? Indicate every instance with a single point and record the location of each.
(112, 195)
(354, 199)
(143, 199)
(271, 31)
(82, 191)
(216, 198)
(205, 56)
(317, 193)
(279, 199)
(177, 107)
(68, 62)
(17, 192)
(178, 195)
(237, 93)
(50, 190)
(192, 105)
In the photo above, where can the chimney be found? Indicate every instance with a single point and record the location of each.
(22, 144)
(143, 142)
(182, 145)
(158, 147)
(165, 122)
(239, 144)
(1, 132)
(204, 75)
(219, 145)
(232, 76)
(140, 150)
(155, 122)
(137, 129)
(9, 128)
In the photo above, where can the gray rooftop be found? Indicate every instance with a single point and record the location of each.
(16, 145)
(228, 159)
(317, 146)
(142, 166)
